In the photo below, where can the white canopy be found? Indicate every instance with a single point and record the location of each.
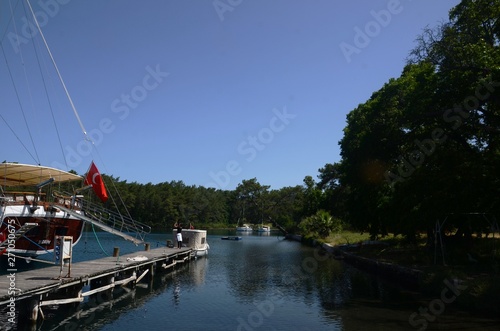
(15, 174)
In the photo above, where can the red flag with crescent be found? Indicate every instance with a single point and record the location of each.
(94, 178)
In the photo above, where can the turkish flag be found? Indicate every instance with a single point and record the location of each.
(94, 178)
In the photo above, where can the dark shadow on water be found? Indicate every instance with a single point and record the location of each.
(105, 307)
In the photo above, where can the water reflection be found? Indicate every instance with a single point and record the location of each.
(106, 307)
(258, 283)
(298, 282)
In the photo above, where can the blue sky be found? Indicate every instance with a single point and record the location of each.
(207, 92)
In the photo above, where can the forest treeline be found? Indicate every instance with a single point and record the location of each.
(425, 146)
(160, 205)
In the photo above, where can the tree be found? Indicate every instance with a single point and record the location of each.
(251, 198)
(427, 143)
(334, 194)
(312, 196)
(285, 206)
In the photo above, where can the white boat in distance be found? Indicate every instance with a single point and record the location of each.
(264, 228)
(245, 227)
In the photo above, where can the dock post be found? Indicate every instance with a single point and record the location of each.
(147, 247)
(28, 312)
(151, 273)
(116, 251)
(34, 311)
(109, 293)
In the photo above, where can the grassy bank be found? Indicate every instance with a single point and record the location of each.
(473, 265)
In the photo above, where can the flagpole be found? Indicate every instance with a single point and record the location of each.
(90, 166)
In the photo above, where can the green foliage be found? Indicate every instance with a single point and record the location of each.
(251, 201)
(320, 225)
(426, 144)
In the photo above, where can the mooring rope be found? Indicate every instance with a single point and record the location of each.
(97, 238)
(29, 259)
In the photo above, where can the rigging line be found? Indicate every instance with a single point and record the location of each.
(37, 159)
(8, 23)
(48, 98)
(114, 188)
(31, 241)
(29, 259)
(15, 135)
(58, 72)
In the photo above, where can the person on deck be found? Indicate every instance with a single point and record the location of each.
(178, 227)
(191, 226)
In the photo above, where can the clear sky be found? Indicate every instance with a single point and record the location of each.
(207, 92)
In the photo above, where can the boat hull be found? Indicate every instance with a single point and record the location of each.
(201, 251)
(244, 228)
(44, 224)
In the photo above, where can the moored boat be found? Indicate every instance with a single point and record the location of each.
(196, 240)
(235, 238)
(264, 228)
(30, 218)
(244, 227)
(33, 213)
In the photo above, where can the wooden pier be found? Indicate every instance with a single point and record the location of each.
(54, 285)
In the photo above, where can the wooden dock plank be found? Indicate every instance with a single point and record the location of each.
(31, 282)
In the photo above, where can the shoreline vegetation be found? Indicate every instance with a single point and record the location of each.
(471, 266)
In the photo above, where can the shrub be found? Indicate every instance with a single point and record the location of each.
(320, 225)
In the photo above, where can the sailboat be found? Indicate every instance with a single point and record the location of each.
(31, 219)
(244, 228)
(38, 203)
(264, 228)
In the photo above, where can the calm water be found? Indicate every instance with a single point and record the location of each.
(258, 283)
